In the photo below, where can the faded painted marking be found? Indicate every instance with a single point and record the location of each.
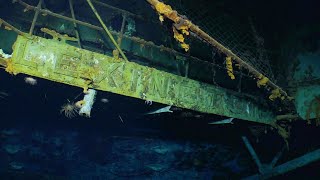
(158, 86)
(135, 80)
(188, 93)
(115, 75)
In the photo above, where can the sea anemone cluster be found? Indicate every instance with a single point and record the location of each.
(70, 110)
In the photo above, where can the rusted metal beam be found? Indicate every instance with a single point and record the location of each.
(10, 27)
(124, 12)
(107, 30)
(35, 18)
(253, 153)
(45, 11)
(289, 166)
(124, 18)
(74, 24)
(63, 63)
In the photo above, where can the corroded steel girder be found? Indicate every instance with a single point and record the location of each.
(60, 62)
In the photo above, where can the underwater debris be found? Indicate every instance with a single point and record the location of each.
(157, 167)
(70, 110)
(89, 99)
(120, 118)
(104, 100)
(148, 102)
(3, 95)
(16, 165)
(30, 80)
(225, 121)
(12, 148)
(161, 110)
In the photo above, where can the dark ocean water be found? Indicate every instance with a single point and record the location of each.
(37, 141)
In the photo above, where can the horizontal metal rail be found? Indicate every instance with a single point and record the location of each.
(132, 38)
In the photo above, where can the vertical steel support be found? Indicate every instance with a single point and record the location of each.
(74, 24)
(124, 18)
(35, 17)
(107, 30)
(277, 157)
(253, 153)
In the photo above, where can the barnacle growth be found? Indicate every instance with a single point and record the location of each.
(69, 109)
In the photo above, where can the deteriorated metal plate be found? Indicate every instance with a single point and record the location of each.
(60, 62)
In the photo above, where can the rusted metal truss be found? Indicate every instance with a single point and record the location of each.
(270, 170)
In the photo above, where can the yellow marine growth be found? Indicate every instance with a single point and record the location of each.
(167, 11)
(10, 68)
(179, 37)
(262, 80)
(230, 68)
(115, 54)
(56, 36)
(275, 94)
(180, 26)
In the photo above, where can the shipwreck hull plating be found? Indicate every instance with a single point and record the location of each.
(63, 63)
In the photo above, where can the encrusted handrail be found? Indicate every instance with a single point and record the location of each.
(184, 26)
